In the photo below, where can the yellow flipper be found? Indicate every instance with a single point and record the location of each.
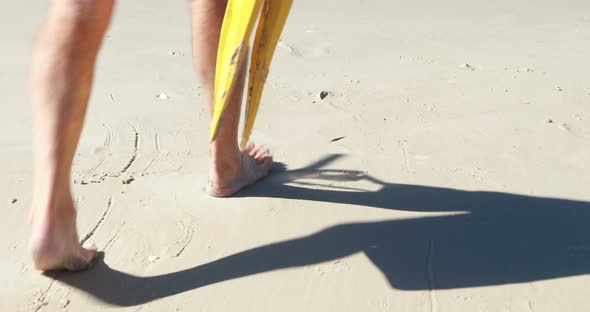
(272, 20)
(238, 22)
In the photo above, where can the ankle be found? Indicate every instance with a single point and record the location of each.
(52, 205)
(225, 153)
(223, 167)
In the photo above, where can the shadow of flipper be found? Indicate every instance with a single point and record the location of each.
(485, 239)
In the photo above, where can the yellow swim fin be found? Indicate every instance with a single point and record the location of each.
(272, 20)
(238, 22)
(240, 16)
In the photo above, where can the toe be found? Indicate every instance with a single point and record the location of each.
(265, 165)
(249, 148)
(89, 252)
(261, 153)
(82, 259)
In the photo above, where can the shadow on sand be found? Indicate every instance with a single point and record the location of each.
(491, 239)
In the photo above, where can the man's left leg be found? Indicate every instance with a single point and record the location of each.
(62, 71)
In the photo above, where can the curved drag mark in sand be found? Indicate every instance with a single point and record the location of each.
(136, 141)
(101, 177)
(99, 222)
(157, 154)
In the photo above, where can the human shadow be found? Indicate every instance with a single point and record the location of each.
(486, 238)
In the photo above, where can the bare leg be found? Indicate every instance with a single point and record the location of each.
(231, 169)
(62, 71)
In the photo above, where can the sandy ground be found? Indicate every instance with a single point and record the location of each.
(459, 181)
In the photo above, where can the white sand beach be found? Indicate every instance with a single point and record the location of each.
(447, 169)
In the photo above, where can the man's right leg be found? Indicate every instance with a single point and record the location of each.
(62, 70)
(231, 169)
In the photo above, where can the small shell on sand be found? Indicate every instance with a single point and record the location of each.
(468, 66)
(558, 88)
(548, 120)
(163, 96)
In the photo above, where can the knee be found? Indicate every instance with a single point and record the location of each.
(208, 4)
(82, 11)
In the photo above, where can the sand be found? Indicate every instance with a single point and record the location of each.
(445, 169)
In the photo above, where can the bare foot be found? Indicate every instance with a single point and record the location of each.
(251, 165)
(54, 242)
